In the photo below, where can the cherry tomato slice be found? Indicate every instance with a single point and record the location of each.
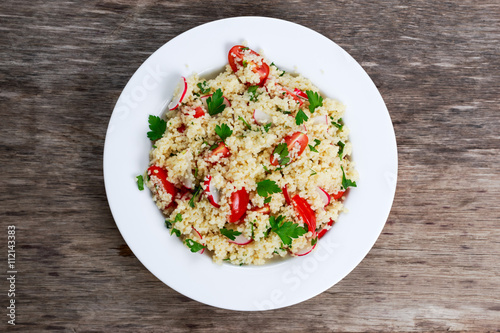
(235, 59)
(199, 112)
(221, 150)
(296, 138)
(239, 203)
(285, 194)
(305, 212)
(181, 128)
(263, 210)
(323, 231)
(338, 195)
(161, 175)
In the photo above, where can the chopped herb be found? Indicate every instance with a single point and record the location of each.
(252, 225)
(215, 103)
(245, 63)
(157, 126)
(337, 124)
(268, 199)
(346, 182)
(223, 131)
(267, 232)
(286, 230)
(252, 92)
(341, 148)
(245, 122)
(194, 246)
(313, 172)
(140, 183)
(215, 145)
(267, 127)
(197, 191)
(316, 142)
(196, 94)
(282, 73)
(227, 259)
(300, 117)
(206, 143)
(267, 187)
(265, 168)
(168, 224)
(313, 149)
(315, 100)
(282, 150)
(244, 49)
(314, 241)
(154, 146)
(231, 234)
(204, 88)
(177, 232)
(196, 172)
(272, 64)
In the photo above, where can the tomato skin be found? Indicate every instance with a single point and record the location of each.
(286, 195)
(263, 210)
(199, 112)
(181, 128)
(239, 203)
(235, 59)
(221, 150)
(305, 212)
(161, 174)
(338, 195)
(323, 231)
(291, 94)
(291, 140)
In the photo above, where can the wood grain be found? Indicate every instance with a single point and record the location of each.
(435, 266)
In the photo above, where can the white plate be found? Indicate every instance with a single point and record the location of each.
(203, 50)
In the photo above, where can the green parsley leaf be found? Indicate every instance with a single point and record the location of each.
(267, 127)
(346, 182)
(140, 183)
(168, 224)
(252, 225)
(197, 191)
(265, 168)
(337, 124)
(178, 217)
(267, 187)
(244, 49)
(196, 172)
(341, 148)
(268, 199)
(157, 126)
(245, 63)
(245, 122)
(215, 103)
(204, 88)
(316, 142)
(282, 150)
(177, 232)
(223, 131)
(272, 64)
(212, 147)
(314, 241)
(300, 117)
(313, 149)
(286, 230)
(227, 259)
(282, 73)
(252, 92)
(313, 172)
(231, 234)
(315, 100)
(194, 246)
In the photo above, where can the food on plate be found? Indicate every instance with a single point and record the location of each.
(250, 165)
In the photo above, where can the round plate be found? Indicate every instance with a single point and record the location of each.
(291, 47)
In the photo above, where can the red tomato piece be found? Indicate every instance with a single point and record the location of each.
(161, 175)
(239, 203)
(323, 231)
(305, 212)
(296, 138)
(338, 195)
(286, 195)
(290, 94)
(199, 112)
(263, 210)
(181, 128)
(235, 58)
(221, 150)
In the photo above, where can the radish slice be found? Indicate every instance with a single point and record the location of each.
(204, 101)
(241, 240)
(213, 194)
(323, 230)
(179, 95)
(304, 251)
(300, 93)
(325, 197)
(188, 183)
(261, 117)
(304, 128)
(320, 120)
(202, 241)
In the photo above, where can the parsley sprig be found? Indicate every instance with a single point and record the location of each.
(286, 230)
(338, 124)
(252, 92)
(245, 122)
(282, 150)
(316, 143)
(197, 192)
(223, 131)
(267, 187)
(193, 245)
(346, 182)
(204, 87)
(301, 117)
(215, 103)
(157, 126)
(231, 234)
(140, 182)
(341, 149)
(315, 100)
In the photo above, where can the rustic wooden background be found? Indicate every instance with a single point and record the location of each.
(435, 267)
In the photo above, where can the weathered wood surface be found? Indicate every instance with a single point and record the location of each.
(63, 65)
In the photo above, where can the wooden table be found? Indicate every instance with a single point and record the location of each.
(434, 268)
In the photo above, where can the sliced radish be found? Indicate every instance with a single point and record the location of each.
(325, 197)
(304, 251)
(304, 128)
(204, 101)
(179, 95)
(285, 194)
(323, 231)
(261, 117)
(202, 241)
(300, 93)
(187, 182)
(241, 240)
(320, 120)
(213, 194)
